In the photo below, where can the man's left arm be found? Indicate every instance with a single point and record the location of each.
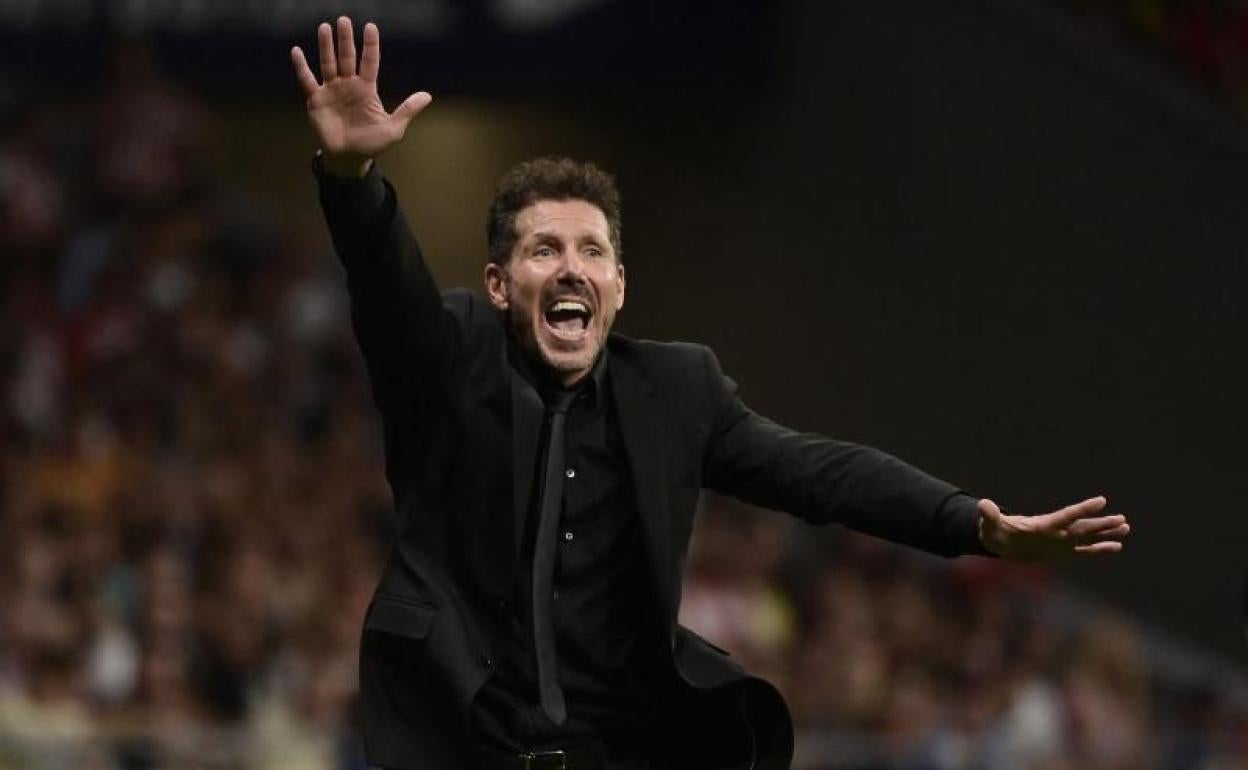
(823, 480)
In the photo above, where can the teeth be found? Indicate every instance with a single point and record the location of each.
(572, 306)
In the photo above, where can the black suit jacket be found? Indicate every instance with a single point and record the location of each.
(461, 434)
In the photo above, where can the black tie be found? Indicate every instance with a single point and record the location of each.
(544, 562)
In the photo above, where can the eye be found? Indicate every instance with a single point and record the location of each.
(544, 251)
(595, 252)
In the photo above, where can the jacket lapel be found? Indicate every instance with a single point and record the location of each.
(499, 405)
(527, 414)
(641, 428)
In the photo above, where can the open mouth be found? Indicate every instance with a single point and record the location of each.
(568, 319)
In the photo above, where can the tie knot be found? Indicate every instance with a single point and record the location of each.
(561, 401)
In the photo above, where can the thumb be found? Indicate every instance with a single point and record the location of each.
(411, 107)
(990, 526)
(989, 510)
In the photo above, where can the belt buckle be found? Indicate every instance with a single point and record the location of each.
(532, 760)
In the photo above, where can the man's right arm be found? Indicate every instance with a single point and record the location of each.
(406, 335)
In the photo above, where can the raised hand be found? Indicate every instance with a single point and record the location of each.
(1070, 531)
(349, 120)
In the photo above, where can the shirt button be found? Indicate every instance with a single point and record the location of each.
(567, 536)
(486, 663)
(570, 473)
(556, 594)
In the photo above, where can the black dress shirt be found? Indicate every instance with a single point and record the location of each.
(608, 644)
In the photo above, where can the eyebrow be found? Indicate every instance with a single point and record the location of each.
(546, 235)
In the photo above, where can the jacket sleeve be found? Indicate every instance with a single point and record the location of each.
(408, 337)
(822, 480)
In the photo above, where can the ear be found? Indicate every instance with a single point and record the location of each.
(619, 277)
(496, 285)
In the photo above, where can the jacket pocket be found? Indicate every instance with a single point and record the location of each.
(395, 615)
(703, 664)
(696, 638)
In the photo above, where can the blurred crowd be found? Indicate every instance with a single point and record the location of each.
(893, 659)
(193, 513)
(1208, 38)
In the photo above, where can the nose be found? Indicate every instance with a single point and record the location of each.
(572, 266)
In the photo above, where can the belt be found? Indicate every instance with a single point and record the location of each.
(558, 759)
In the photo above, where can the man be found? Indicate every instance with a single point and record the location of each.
(545, 473)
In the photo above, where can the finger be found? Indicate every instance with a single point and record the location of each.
(370, 60)
(303, 73)
(1114, 533)
(1064, 517)
(325, 48)
(346, 47)
(411, 107)
(1096, 549)
(1092, 526)
(1117, 533)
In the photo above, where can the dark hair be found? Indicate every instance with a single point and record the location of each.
(549, 178)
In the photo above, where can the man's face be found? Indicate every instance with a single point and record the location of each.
(561, 286)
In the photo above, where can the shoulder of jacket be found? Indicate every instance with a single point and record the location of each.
(461, 301)
(663, 357)
(469, 307)
(481, 328)
(660, 349)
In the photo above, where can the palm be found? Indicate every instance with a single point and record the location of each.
(345, 111)
(348, 116)
(1075, 530)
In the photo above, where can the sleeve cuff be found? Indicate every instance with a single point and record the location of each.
(960, 511)
(360, 200)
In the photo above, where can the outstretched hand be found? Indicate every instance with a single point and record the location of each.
(1071, 531)
(349, 120)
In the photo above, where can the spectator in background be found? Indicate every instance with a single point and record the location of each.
(157, 581)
